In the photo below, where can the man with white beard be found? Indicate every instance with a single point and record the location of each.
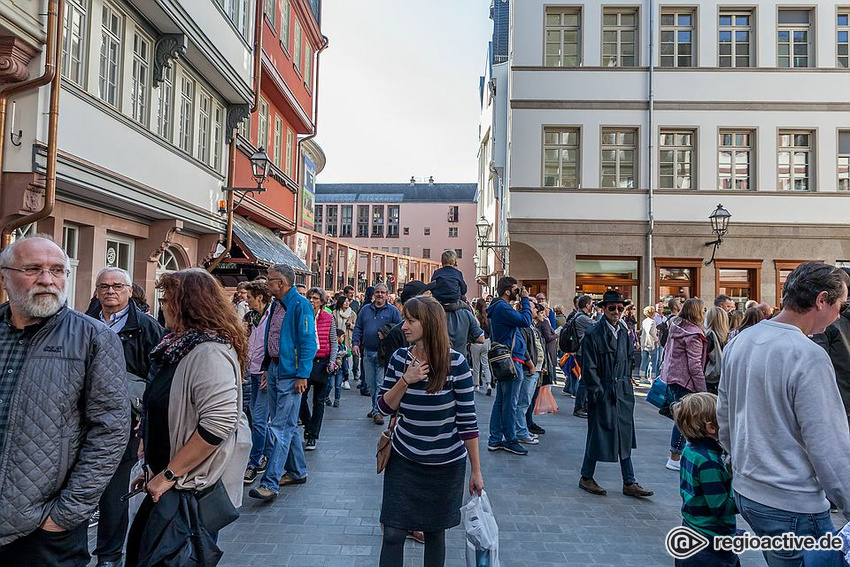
(64, 411)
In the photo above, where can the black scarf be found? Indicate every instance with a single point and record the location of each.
(175, 346)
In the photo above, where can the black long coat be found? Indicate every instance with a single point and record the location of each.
(605, 371)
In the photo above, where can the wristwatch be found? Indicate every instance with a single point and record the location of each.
(170, 476)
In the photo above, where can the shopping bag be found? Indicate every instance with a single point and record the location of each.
(545, 401)
(482, 532)
(135, 501)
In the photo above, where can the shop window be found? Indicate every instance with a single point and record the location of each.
(596, 275)
(783, 270)
(739, 279)
(119, 253)
(677, 278)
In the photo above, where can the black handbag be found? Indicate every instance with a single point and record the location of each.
(501, 359)
(215, 508)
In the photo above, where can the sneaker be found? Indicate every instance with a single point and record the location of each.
(94, 520)
(589, 485)
(573, 396)
(537, 430)
(286, 480)
(327, 401)
(496, 446)
(636, 490)
(370, 415)
(250, 475)
(580, 413)
(534, 436)
(529, 440)
(346, 385)
(336, 403)
(489, 391)
(673, 465)
(378, 419)
(263, 493)
(515, 448)
(264, 462)
(310, 445)
(365, 393)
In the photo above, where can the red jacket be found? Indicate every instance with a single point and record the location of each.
(684, 356)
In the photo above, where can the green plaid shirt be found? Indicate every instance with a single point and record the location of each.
(706, 488)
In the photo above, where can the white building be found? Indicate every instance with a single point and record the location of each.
(630, 122)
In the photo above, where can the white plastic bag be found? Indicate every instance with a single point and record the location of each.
(136, 500)
(482, 532)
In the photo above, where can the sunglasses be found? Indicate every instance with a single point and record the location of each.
(613, 308)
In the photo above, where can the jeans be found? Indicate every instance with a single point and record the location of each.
(59, 549)
(647, 358)
(318, 385)
(287, 452)
(502, 416)
(480, 363)
(524, 394)
(765, 520)
(335, 383)
(373, 376)
(260, 438)
(588, 467)
(677, 441)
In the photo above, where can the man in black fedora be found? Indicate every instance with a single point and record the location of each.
(605, 356)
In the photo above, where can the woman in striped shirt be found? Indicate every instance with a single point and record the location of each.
(430, 386)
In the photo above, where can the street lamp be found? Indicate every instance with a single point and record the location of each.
(483, 228)
(719, 226)
(260, 163)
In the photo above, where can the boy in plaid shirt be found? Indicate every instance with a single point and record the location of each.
(705, 482)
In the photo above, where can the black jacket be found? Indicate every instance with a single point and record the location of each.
(138, 337)
(836, 341)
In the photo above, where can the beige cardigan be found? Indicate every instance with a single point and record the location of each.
(206, 390)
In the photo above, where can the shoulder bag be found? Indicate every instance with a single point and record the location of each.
(501, 359)
(385, 445)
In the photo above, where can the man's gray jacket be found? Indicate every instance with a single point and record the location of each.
(68, 425)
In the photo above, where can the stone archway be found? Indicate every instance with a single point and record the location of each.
(529, 267)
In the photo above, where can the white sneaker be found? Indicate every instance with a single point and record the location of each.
(529, 441)
(534, 435)
(673, 465)
(346, 385)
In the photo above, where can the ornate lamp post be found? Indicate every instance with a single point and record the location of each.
(483, 227)
(719, 226)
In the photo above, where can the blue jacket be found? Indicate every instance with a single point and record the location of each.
(298, 343)
(505, 321)
(369, 320)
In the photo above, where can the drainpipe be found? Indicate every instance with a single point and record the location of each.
(55, 14)
(650, 269)
(231, 166)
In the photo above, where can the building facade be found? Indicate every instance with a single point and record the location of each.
(629, 123)
(149, 95)
(410, 220)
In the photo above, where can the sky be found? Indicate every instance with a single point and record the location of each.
(398, 91)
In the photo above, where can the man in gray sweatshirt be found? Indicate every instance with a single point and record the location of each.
(780, 415)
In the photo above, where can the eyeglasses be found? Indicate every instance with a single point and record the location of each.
(34, 272)
(314, 298)
(115, 286)
(275, 279)
(613, 308)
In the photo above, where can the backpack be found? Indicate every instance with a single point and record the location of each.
(568, 341)
(663, 330)
(713, 363)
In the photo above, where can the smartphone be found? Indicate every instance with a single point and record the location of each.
(132, 493)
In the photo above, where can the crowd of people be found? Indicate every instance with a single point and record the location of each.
(226, 393)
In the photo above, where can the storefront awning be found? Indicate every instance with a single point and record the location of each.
(261, 244)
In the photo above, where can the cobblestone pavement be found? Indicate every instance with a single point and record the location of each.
(544, 518)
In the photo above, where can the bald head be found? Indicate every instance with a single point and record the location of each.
(33, 271)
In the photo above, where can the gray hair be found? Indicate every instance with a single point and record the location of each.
(383, 285)
(9, 252)
(286, 272)
(114, 270)
(317, 291)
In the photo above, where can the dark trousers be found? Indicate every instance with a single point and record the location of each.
(529, 415)
(318, 384)
(112, 527)
(581, 397)
(60, 549)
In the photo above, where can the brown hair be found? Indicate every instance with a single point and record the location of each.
(693, 412)
(752, 316)
(259, 288)
(435, 338)
(198, 302)
(693, 311)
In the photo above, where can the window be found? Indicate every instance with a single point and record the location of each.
(166, 96)
(595, 276)
(110, 56)
(345, 226)
(204, 111)
(284, 24)
(333, 220)
(405, 251)
(377, 221)
(734, 36)
(317, 218)
(795, 157)
(308, 66)
(452, 232)
(676, 159)
(297, 48)
(618, 159)
(843, 46)
(560, 157)
(288, 167)
(677, 278)
(793, 39)
(218, 134)
(278, 141)
(263, 125)
(239, 13)
(677, 39)
(619, 38)
(141, 52)
(187, 98)
(427, 231)
(244, 127)
(270, 9)
(454, 213)
(426, 253)
(362, 221)
(734, 165)
(739, 279)
(459, 253)
(392, 221)
(74, 41)
(407, 231)
(844, 160)
(563, 37)
(119, 254)
(70, 244)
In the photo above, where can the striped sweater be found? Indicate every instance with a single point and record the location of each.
(706, 488)
(431, 428)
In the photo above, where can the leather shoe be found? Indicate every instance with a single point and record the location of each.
(287, 480)
(636, 490)
(378, 419)
(580, 413)
(590, 485)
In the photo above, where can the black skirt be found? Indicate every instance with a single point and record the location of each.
(422, 497)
